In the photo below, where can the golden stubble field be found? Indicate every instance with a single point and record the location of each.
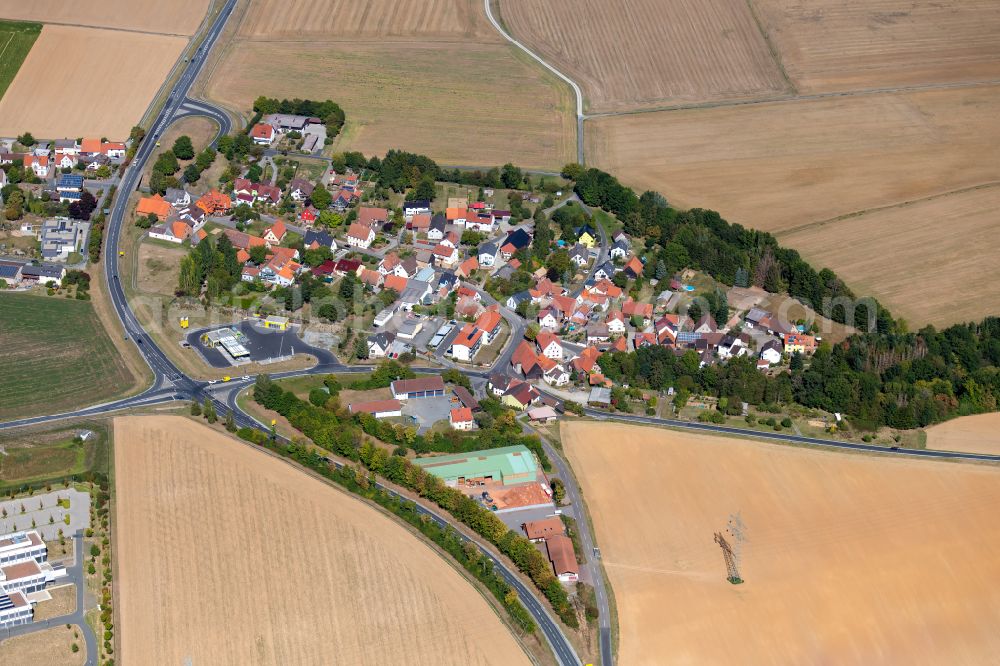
(415, 19)
(849, 559)
(177, 17)
(834, 45)
(925, 261)
(642, 53)
(86, 82)
(786, 166)
(226, 555)
(979, 433)
(496, 107)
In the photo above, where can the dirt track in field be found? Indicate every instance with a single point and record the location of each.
(848, 559)
(227, 555)
(86, 82)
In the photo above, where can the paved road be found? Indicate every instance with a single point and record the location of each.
(74, 574)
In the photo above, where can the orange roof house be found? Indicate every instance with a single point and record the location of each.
(395, 282)
(276, 232)
(155, 204)
(634, 265)
(179, 230)
(215, 202)
(90, 145)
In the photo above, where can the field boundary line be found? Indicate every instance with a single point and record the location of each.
(810, 97)
(105, 27)
(901, 204)
(771, 47)
(580, 117)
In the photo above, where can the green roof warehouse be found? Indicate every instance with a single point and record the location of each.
(508, 465)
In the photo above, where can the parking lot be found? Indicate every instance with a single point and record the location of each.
(426, 411)
(262, 344)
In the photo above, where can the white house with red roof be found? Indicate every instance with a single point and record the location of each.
(360, 235)
(262, 134)
(276, 232)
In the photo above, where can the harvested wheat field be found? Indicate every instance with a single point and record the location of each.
(979, 433)
(646, 52)
(111, 75)
(776, 166)
(836, 45)
(227, 555)
(848, 559)
(933, 277)
(328, 19)
(177, 17)
(495, 108)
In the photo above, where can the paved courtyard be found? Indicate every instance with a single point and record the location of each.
(425, 411)
(49, 516)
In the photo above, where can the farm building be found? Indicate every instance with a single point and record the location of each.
(540, 530)
(563, 558)
(380, 409)
(544, 414)
(421, 387)
(508, 465)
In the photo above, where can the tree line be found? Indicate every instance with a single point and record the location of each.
(327, 430)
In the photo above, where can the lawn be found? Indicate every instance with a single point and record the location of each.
(16, 39)
(57, 356)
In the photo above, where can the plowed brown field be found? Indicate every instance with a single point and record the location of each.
(848, 559)
(640, 53)
(419, 19)
(86, 82)
(176, 17)
(229, 556)
(856, 44)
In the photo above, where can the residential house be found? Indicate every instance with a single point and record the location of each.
(63, 160)
(524, 357)
(516, 299)
(468, 267)
(798, 342)
(70, 187)
(416, 207)
(597, 332)
(461, 419)
(771, 352)
(300, 189)
(262, 134)
(500, 216)
(518, 239)
(632, 308)
(313, 240)
(586, 235)
(616, 322)
(379, 343)
(287, 122)
(47, 274)
(586, 361)
(562, 557)
(308, 216)
(344, 198)
(520, 396)
(172, 232)
(487, 254)
(445, 255)
(619, 250)
(215, 202)
(372, 217)
(605, 271)
(456, 215)
(467, 343)
(154, 205)
(39, 164)
(436, 229)
(479, 222)
(360, 235)
(498, 384)
(579, 254)
(730, 346)
(549, 345)
(177, 197)
(555, 373)
(419, 223)
(489, 323)
(61, 236)
(274, 234)
(633, 267)
(706, 325)
(549, 318)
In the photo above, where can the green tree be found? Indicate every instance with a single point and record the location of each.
(166, 163)
(208, 410)
(321, 197)
(195, 409)
(425, 189)
(191, 174)
(103, 171)
(26, 139)
(244, 212)
(511, 176)
(230, 421)
(205, 158)
(189, 280)
(361, 348)
(254, 173)
(183, 148)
